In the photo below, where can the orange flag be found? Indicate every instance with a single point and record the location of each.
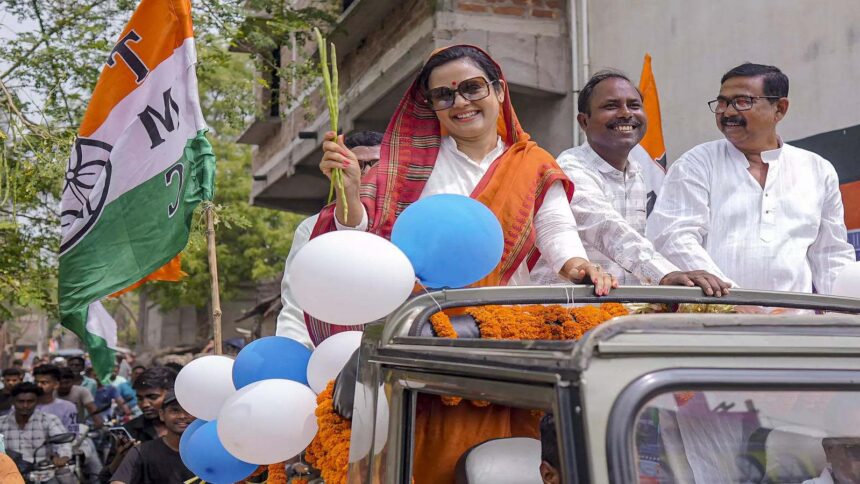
(651, 152)
(653, 140)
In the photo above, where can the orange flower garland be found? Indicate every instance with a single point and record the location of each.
(442, 325)
(531, 322)
(329, 451)
(277, 474)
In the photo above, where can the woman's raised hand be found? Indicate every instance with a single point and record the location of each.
(337, 155)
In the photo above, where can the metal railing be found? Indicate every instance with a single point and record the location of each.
(416, 312)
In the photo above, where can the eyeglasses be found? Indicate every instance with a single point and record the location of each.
(740, 103)
(473, 89)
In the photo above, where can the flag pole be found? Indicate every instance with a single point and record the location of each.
(213, 275)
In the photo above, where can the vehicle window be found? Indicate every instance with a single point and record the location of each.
(473, 441)
(749, 437)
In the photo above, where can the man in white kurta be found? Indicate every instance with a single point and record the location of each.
(750, 208)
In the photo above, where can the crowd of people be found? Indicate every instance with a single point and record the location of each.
(126, 428)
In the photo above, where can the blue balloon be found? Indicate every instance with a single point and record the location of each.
(209, 460)
(451, 240)
(272, 357)
(189, 431)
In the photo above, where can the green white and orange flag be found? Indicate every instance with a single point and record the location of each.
(140, 165)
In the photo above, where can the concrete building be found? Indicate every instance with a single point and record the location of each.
(548, 48)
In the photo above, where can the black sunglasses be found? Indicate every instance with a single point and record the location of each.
(473, 89)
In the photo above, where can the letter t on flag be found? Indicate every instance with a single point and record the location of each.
(140, 165)
(651, 152)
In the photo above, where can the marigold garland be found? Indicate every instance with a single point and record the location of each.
(329, 451)
(277, 473)
(530, 322)
(442, 325)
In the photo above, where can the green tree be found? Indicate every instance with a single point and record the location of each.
(47, 72)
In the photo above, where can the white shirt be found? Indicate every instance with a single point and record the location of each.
(609, 206)
(455, 173)
(713, 215)
(291, 319)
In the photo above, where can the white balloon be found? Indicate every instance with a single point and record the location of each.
(350, 277)
(847, 282)
(203, 385)
(368, 419)
(330, 357)
(268, 421)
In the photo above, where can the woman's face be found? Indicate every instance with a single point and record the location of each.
(466, 119)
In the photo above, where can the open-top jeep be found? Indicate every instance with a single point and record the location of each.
(662, 397)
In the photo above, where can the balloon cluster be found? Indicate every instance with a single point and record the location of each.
(259, 409)
(350, 277)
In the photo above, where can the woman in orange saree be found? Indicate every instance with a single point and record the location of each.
(455, 131)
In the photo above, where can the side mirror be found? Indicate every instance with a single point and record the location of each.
(61, 438)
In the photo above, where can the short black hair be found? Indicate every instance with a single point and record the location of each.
(49, 370)
(362, 138)
(27, 387)
(156, 377)
(477, 56)
(13, 372)
(139, 366)
(66, 372)
(176, 367)
(583, 102)
(548, 441)
(76, 358)
(775, 81)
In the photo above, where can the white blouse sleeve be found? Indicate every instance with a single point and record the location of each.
(362, 226)
(557, 237)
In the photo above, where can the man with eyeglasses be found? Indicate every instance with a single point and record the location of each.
(750, 208)
(291, 319)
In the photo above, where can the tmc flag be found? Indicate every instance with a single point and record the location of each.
(139, 166)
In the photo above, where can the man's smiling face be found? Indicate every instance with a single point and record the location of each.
(616, 120)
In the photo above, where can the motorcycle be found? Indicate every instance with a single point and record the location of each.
(44, 470)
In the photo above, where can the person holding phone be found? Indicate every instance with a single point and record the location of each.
(158, 461)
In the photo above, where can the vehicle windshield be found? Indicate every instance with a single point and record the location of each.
(749, 437)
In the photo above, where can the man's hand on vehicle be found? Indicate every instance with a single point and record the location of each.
(711, 285)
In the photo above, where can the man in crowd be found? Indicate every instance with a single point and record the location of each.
(151, 388)
(77, 365)
(85, 404)
(750, 208)
(106, 395)
(136, 371)
(48, 378)
(26, 429)
(609, 201)
(11, 377)
(158, 461)
(291, 320)
(79, 396)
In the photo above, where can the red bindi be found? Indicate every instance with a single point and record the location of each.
(453, 83)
